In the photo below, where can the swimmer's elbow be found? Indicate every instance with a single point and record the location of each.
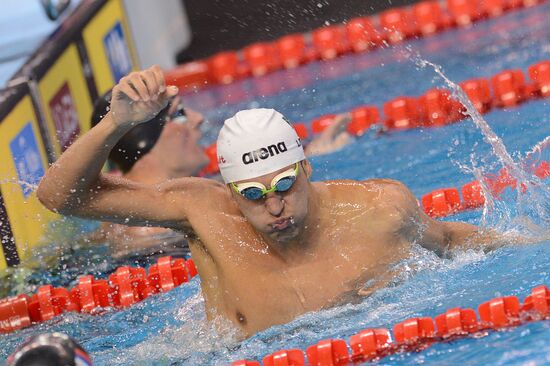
(46, 197)
(53, 199)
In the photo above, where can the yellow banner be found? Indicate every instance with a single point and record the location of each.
(109, 46)
(66, 100)
(24, 162)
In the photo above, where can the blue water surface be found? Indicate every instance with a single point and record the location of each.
(171, 329)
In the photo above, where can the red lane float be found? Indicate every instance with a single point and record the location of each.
(499, 313)
(416, 334)
(439, 109)
(539, 73)
(130, 286)
(402, 113)
(361, 34)
(441, 202)
(538, 303)
(262, 58)
(328, 352)
(50, 302)
(494, 8)
(14, 313)
(191, 268)
(126, 286)
(362, 119)
(190, 75)
(397, 25)
(91, 294)
(329, 42)
(509, 88)
(542, 170)
(292, 50)
(472, 194)
(291, 357)
(224, 67)
(369, 344)
(167, 274)
(456, 322)
(320, 124)
(479, 94)
(245, 363)
(212, 168)
(413, 331)
(356, 35)
(428, 17)
(464, 12)
(301, 130)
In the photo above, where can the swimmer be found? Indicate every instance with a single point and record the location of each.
(166, 147)
(334, 137)
(49, 349)
(268, 243)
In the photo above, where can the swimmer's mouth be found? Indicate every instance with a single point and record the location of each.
(282, 224)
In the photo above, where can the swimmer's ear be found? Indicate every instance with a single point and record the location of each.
(306, 167)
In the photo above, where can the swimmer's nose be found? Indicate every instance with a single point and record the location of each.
(274, 204)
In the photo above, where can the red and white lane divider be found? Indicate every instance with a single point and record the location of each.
(446, 201)
(125, 287)
(416, 334)
(360, 34)
(434, 108)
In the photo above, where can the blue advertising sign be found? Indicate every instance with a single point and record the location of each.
(117, 52)
(26, 156)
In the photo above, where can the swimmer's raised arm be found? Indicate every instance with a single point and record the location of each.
(74, 185)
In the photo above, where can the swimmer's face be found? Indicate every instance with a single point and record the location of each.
(179, 143)
(279, 215)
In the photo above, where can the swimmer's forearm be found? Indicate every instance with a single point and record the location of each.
(74, 177)
(465, 236)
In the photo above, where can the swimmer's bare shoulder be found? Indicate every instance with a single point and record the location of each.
(380, 192)
(390, 209)
(442, 237)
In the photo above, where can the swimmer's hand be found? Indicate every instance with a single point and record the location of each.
(140, 96)
(332, 138)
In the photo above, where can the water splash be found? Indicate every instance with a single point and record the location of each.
(21, 183)
(527, 210)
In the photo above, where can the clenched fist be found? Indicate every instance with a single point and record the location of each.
(140, 96)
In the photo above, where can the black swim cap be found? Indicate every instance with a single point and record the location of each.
(137, 142)
(50, 349)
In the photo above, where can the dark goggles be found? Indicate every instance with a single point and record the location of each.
(178, 116)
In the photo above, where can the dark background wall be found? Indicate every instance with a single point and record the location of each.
(231, 24)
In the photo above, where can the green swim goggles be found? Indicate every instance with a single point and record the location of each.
(255, 190)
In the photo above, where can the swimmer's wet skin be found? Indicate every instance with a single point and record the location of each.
(266, 260)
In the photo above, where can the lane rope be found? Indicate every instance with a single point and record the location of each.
(416, 334)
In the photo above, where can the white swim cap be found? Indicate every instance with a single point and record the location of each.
(256, 142)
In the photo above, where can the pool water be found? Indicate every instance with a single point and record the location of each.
(171, 329)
